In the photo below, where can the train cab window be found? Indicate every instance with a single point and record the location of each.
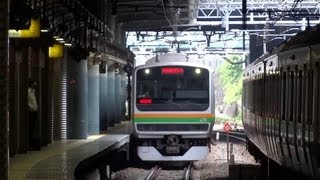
(180, 88)
(135, 49)
(148, 49)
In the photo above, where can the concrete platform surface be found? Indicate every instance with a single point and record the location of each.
(58, 160)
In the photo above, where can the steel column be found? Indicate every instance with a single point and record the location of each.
(117, 31)
(4, 20)
(112, 21)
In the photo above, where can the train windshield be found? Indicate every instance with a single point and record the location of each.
(172, 88)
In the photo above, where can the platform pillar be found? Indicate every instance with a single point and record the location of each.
(4, 20)
(93, 99)
(118, 95)
(123, 95)
(119, 34)
(103, 96)
(78, 99)
(111, 96)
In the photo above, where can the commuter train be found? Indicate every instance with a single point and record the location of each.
(172, 109)
(281, 96)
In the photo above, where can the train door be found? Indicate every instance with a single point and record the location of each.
(290, 118)
(308, 115)
(277, 115)
(257, 110)
(284, 111)
(314, 130)
(259, 115)
(251, 110)
(273, 109)
(303, 121)
(295, 130)
(267, 109)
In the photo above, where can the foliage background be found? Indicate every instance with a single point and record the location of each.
(230, 78)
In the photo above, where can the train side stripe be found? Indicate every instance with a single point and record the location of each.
(173, 120)
(173, 115)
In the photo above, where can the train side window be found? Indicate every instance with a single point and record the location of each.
(300, 96)
(291, 96)
(283, 94)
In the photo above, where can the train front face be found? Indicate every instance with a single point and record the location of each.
(173, 112)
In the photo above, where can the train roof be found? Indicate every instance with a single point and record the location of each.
(169, 57)
(304, 38)
(177, 58)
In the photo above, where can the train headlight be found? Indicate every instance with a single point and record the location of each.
(147, 71)
(198, 70)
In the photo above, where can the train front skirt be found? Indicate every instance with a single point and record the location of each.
(195, 153)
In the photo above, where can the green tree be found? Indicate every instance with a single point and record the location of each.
(230, 77)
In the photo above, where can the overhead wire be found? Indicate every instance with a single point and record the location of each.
(165, 14)
(233, 63)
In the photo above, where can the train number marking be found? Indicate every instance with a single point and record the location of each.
(203, 119)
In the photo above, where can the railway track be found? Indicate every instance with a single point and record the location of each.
(234, 137)
(153, 173)
(157, 173)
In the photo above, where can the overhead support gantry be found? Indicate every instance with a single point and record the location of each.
(281, 13)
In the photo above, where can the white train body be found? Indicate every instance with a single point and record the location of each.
(172, 108)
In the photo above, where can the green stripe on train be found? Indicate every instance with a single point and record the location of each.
(172, 120)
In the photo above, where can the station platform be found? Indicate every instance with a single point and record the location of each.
(59, 159)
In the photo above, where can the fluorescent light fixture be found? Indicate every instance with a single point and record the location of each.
(44, 30)
(59, 39)
(68, 44)
(253, 30)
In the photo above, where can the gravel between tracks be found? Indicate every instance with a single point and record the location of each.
(214, 166)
